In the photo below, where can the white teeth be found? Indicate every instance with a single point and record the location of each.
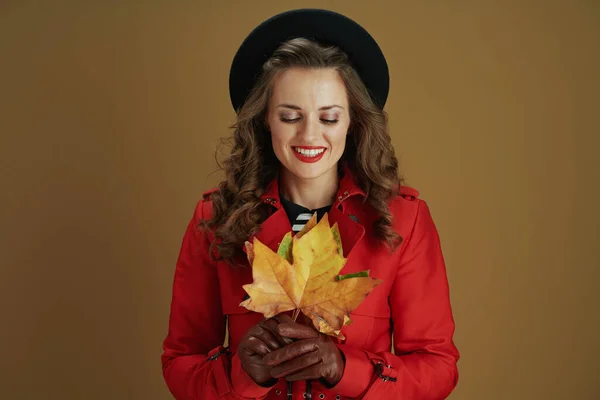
(309, 153)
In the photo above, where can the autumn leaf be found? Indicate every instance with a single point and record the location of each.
(285, 247)
(303, 275)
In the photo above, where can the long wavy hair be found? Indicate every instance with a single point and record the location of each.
(251, 165)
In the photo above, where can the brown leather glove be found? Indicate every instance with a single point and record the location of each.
(260, 340)
(314, 356)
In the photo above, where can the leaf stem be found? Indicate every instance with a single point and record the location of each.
(361, 274)
(296, 313)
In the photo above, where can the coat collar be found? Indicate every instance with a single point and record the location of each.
(347, 188)
(277, 224)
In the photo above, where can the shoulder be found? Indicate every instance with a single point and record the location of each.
(407, 197)
(406, 207)
(206, 196)
(203, 209)
(408, 193)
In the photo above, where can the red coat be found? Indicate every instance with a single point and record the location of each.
(411, 306)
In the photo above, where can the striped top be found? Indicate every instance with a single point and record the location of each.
(299, 215)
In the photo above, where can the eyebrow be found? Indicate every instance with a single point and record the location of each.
(294, 107)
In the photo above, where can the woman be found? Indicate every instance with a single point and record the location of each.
(311, 137)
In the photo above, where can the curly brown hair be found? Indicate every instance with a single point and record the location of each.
(251, 165)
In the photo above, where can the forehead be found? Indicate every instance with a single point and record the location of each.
(307, 88)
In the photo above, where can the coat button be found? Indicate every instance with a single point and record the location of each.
(321, 396)
(337, 397)
(277, 392)
(270, 200)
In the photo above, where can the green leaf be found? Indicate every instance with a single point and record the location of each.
(338, 239)
(361, 274)
(285, 247)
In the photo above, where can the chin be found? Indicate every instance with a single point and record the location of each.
(308, 171)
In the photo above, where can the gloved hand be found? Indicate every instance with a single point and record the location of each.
(260, 340)
(314, 356)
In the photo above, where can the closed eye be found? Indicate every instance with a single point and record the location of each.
(290, 120)
(293, 120)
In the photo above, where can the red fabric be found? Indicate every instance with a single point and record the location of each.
(412, 305)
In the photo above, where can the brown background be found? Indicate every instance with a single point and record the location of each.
(109, 113)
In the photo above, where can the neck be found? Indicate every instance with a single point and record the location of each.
(310, 193)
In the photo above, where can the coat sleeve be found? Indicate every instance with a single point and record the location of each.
(424, 364)
(195, 364)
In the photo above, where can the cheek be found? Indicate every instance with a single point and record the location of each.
(279, 138)
(276, 133)
(337, 138)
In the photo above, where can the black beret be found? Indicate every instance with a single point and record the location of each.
(323, 26)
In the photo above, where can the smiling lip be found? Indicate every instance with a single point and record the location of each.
(308, 159)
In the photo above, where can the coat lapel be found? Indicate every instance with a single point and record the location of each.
(277, 224)
(273, 229)
(350, 231)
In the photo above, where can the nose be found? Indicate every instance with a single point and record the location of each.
(309, 129)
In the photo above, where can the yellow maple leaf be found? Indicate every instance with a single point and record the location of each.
(303, 275)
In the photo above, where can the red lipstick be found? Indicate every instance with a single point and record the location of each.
(312, 154)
